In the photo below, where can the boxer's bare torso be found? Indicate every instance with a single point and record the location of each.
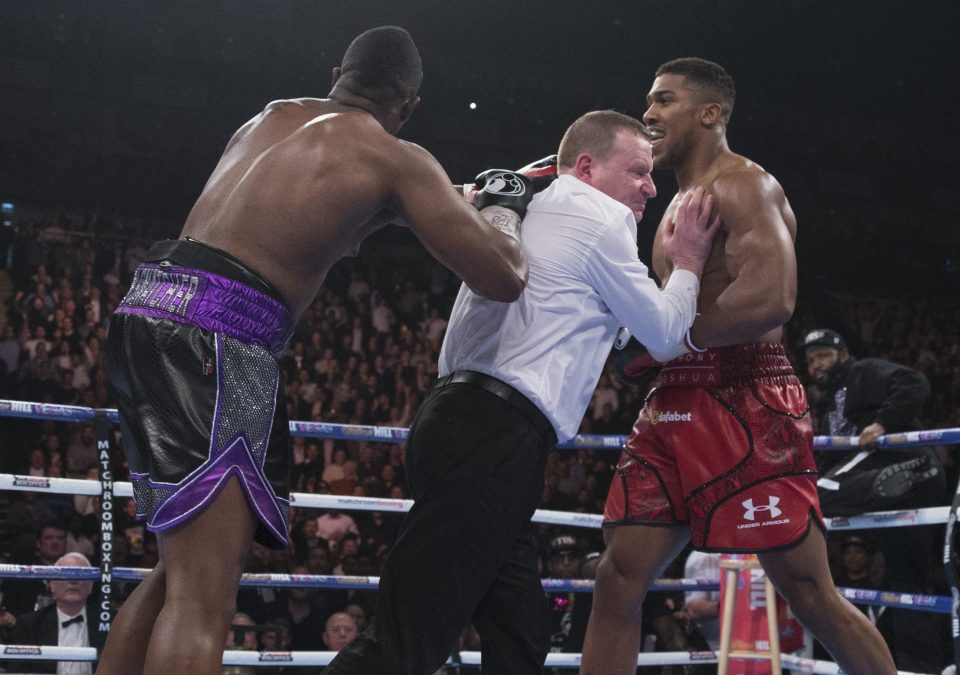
(303, 183)
(752, 260)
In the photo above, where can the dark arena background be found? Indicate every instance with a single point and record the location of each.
(113, 115)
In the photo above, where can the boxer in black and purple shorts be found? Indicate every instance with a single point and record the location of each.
(194, 350)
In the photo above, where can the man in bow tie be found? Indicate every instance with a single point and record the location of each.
(69, 622)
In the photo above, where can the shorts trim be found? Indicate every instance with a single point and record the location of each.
(811, 518)
(241, 464)
(795, 416)
(746, 457)
(652, 469)
(650, 523)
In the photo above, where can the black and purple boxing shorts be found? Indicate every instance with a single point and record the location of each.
(192, 363)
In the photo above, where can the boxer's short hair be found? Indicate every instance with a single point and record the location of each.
(383, 64)
(710, 78)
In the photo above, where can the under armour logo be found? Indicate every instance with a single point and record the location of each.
(506, 183)
(770, 506)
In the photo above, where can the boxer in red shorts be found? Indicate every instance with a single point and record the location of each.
(751, 483)
(721, 452)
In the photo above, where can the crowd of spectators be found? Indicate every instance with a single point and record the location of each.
(365, 352)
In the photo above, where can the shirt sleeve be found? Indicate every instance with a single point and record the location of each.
(657, 318)
(702, 568)
(906, 392)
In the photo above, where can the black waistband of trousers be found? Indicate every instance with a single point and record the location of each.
(504, 391)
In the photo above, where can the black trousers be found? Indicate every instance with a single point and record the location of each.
(466, 550)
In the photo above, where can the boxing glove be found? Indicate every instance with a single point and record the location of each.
(500, 187)
(502, 199)
(541, 173)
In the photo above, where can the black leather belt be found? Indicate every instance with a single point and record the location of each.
(503, 391)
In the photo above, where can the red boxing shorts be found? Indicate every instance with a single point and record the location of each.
(724, 444)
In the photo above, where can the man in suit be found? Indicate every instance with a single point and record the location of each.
(66, 623)
(24, 595)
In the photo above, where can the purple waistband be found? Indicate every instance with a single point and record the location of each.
(209, 301)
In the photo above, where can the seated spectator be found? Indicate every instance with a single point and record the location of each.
(25, 595)
(69, 621)
(304, 537)
(563, 562)
(345, 485)
(378, 533)
(359, 614)
(82, 452)
(861, 566)
(39, 464)
(333, 524)
(241, 635)
(78, 536)
(339, 630)
(701, 610)
(87, 505)
(10, 351)
(306, 621)
(335, 471)
(275, 637)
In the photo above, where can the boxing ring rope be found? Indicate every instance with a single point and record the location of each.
(939, 604)
(934, 515)
(235, 657)
(106, 489)
(373, 433)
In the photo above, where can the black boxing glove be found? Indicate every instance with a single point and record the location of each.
(503, 198)
(500, 187)
(541, 173)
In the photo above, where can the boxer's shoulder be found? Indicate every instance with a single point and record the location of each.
(737, 174)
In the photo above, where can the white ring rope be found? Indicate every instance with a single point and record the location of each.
(913, 601)
(236, 657)
(935, 515)
(373, 433)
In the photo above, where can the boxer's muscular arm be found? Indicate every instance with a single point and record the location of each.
(760, 260)
(490, 263)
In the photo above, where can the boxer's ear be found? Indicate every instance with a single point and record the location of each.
(336, 75)
(711, 115)
(408, 107)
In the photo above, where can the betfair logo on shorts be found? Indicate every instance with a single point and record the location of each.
(663, 416)
(770, 513)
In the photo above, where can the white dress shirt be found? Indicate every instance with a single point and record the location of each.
(585, 282)
(74, 635)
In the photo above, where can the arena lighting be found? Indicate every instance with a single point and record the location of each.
(473, 105)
